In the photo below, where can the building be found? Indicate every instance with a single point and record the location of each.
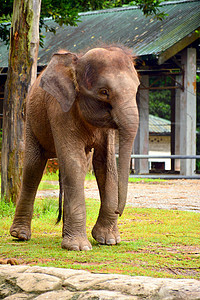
(159, 143)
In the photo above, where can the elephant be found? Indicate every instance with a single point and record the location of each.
(75, 106)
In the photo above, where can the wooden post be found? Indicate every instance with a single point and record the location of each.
(22, 70)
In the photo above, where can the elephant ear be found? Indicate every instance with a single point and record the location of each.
(58, 79)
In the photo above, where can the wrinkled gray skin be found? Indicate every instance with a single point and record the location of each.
(75, 105)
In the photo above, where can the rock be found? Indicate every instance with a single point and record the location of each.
(25, 282)
(180, 289)
(105, 295)
(154, 288)
(58, 272)
(18, 296)
(33, 282)
(9, 270)
(59, 295)
(87, 281)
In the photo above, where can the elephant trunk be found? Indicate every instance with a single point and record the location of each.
(127, 121)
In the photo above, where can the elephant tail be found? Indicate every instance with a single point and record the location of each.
(60, 199)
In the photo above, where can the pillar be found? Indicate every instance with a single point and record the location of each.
(141, 144)
(177, 122)
(188, 112)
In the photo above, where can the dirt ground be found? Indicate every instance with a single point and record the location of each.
(180, 194)
(170, 194)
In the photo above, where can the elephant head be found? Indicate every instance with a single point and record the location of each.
(102, 84)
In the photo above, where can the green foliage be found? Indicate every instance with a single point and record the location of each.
(160, 100)
(46, 208)
(6, 8)
(148, 7)
(160, 103)
(151, 7)
(7, 209)
(52, 166)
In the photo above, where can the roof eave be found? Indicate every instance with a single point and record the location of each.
(179, 46)
(151, 133)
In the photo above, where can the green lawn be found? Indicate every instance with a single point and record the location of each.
(50, 181)
(158, 243)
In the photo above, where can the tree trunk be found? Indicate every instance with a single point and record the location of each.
(22, 71)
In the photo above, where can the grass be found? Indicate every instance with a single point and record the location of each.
(158, 243)
(90, 176)
(46, 185)
(50, 181)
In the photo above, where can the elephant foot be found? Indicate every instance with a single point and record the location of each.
(21, 232)
(106, 236)
(76, 243)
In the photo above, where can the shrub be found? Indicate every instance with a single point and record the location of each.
(52, 166)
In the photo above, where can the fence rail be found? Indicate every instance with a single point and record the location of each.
(166, 175)
(143, 156)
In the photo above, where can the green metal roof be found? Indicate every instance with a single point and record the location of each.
(159, 126)
(145, 35)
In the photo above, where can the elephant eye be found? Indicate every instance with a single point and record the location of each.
(104, 92)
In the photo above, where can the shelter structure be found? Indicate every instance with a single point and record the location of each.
(159, 144)
(168, 48)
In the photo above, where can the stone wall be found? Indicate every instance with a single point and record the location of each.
(25, 282)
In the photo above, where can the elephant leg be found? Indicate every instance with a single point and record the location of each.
(105, 230)
(33, 167)
(74, 212)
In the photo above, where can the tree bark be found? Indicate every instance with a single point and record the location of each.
(22, 71)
